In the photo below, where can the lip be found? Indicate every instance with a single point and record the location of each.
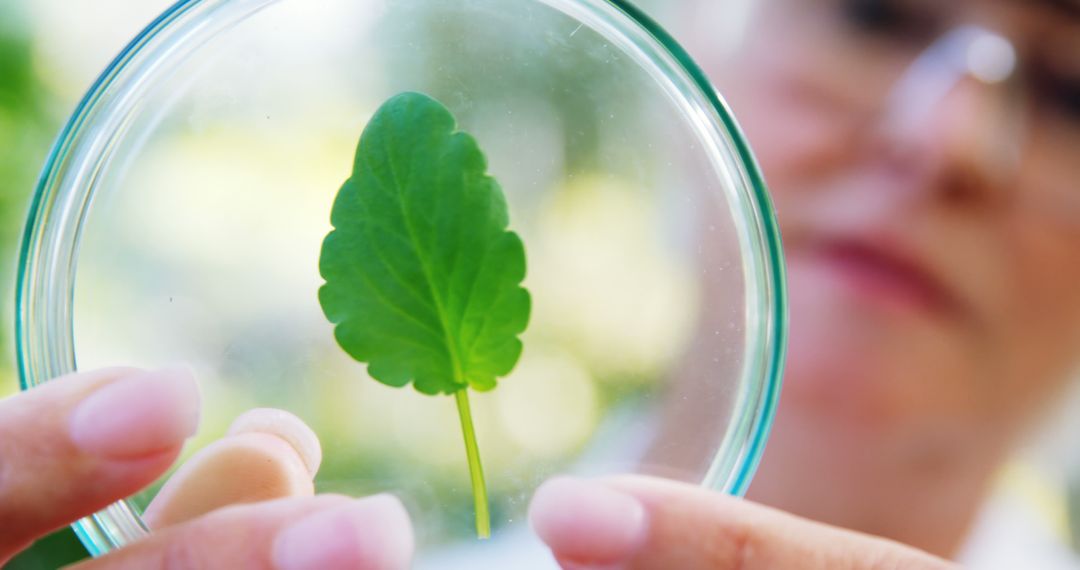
(888, 276)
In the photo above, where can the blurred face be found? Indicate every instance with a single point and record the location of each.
(930, 210)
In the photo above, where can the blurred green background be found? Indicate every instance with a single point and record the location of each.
(30, 115)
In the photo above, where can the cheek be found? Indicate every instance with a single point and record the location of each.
(1041, 327)
(877, 371)
(796, 133)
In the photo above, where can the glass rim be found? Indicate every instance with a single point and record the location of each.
(49, 252)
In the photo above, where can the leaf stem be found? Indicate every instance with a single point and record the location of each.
(476, 470)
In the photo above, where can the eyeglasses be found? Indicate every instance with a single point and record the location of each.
(900, 59)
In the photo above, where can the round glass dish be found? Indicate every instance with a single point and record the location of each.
(180, 215)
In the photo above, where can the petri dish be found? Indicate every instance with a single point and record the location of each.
(180, 214)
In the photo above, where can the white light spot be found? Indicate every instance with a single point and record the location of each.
(991, 58)
(549, 406)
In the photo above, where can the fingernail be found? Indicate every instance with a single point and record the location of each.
(372, 533)
(587, 524)
(285, 426)
(137, 415)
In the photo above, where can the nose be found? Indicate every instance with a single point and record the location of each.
(951, 117)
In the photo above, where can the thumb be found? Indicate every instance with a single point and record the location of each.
(267, 454)
(643, 523)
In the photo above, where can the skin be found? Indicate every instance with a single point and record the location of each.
(245, 501)
(199, 522)
(900, 405)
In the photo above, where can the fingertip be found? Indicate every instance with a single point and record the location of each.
(586, 522)
(374, 533)
(137, 414)
(285, 426)
(243, 468)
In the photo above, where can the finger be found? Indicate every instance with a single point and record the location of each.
(642, 523)
(76, 444)
(286, 426)
(325, 532)
(268, 454)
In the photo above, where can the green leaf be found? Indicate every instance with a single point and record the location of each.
(423, 280)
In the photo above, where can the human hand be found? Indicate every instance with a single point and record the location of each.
(76, 444)
(639, 523)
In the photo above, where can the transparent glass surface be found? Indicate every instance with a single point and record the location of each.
(181, 213)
